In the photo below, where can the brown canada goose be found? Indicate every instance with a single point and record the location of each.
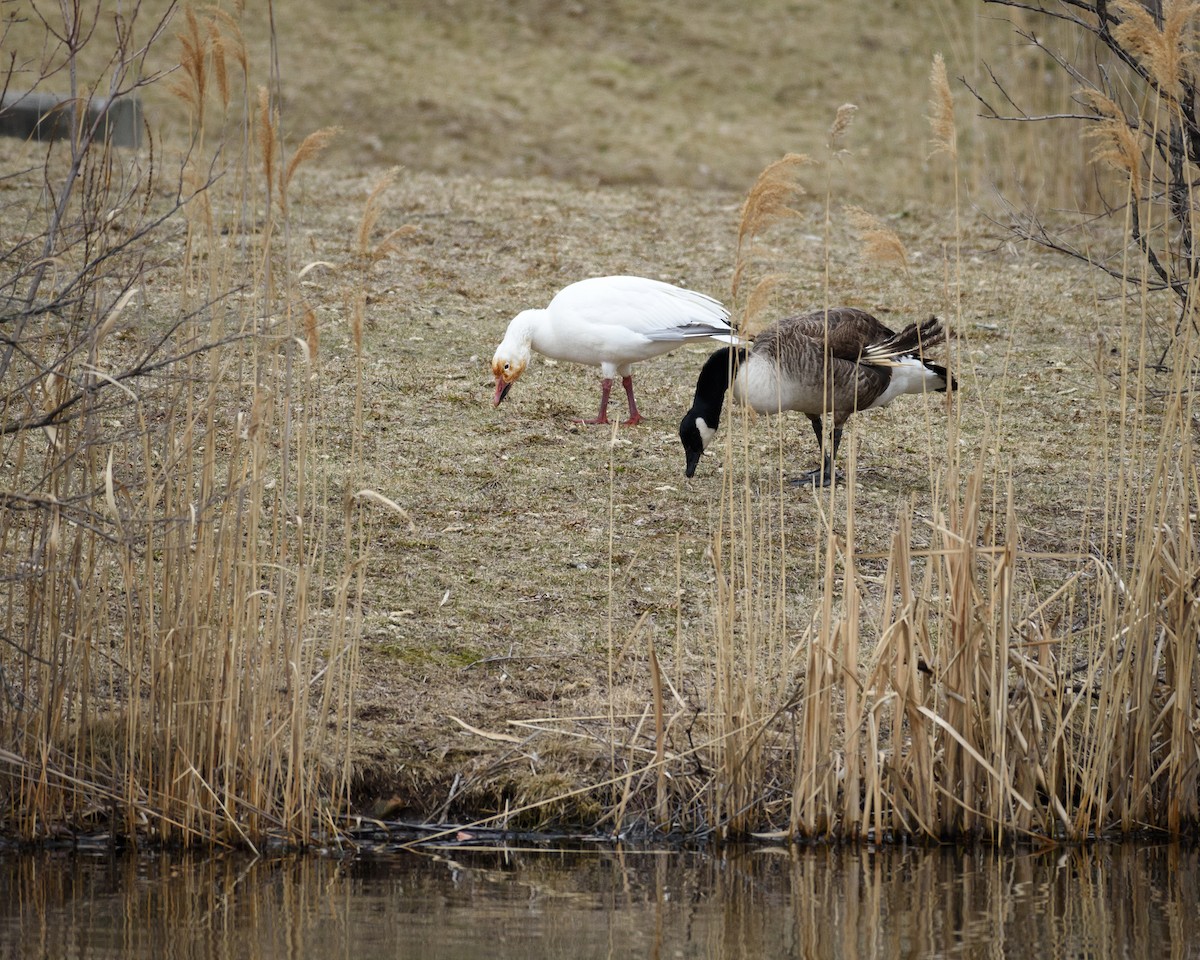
(833, 363)
(610, 322)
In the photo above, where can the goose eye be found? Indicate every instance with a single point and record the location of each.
(506, 366)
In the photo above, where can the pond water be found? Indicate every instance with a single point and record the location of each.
(1098, 901)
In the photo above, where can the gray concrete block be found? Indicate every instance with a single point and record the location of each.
(47, 116)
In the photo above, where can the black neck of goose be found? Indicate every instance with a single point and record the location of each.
(715, 377)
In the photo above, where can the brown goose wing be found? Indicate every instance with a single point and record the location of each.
(850, 330)
(798, 345)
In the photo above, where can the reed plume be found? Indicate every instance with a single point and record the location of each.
(225, 29)
(941, 120)
(758, 301)
(879, 243)
(1117, 144)
(219, 62)
(192, 85)
(366, 251)
(1167, 54)
(841, 124)
(768, 203)
(309, 147)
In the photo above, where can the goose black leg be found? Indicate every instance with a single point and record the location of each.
(824, 475)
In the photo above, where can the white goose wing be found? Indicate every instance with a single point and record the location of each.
(649, 311)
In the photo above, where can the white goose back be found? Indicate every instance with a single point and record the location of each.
(616, 321)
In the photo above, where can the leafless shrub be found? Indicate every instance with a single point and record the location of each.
(1137, 98)
(162, 524)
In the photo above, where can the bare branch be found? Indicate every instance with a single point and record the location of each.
(1132, 134)
(146, 366)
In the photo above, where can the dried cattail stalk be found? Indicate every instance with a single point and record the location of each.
(945, 134)
(268, 134)
(312, 335)
(1167, 54)
(357, 312)
(880, 243)
(199, 207)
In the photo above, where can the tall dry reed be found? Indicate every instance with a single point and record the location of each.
(981, 689)
(186, 654)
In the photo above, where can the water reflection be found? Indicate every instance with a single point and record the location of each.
(1103, 901)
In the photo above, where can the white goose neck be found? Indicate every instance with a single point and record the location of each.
(524, 326)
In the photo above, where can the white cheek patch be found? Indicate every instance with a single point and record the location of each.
(706, 432)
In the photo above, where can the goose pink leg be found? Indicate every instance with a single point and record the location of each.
(605, 391)
(634, 417)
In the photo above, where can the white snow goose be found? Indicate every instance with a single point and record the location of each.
(610, 322)
(834, 364)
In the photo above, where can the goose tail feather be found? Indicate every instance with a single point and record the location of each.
(913, 340)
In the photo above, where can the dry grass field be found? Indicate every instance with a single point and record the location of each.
(548, 580)
(539, 542)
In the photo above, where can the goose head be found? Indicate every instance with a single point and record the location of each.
(699, 424)
(507, 370)
(695, 435)
(512, 356)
